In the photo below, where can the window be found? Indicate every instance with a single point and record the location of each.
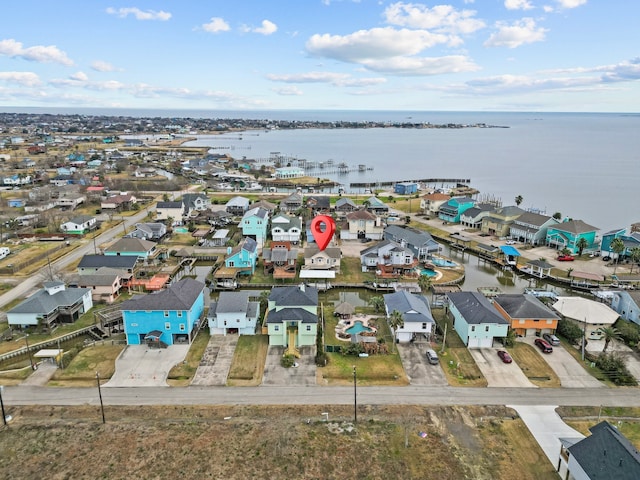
(167, 325)
(424, 326)
(486, 329)
(276, 328)
(180, 314)
(166, 313)
(473, 328)
(182, 327)
(308, 328)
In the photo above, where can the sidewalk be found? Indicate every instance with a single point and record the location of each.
(41, 376)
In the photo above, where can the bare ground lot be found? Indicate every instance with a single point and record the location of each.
(270, 442)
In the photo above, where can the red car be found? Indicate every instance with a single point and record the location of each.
(504, 356)
(565, 258)
(543, 345)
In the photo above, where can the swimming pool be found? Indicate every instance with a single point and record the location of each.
(441, 262)
(427, 272)
(358, 327)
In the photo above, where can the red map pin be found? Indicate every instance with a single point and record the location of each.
(323, 237)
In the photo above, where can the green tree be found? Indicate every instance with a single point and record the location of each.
(518, 200)
(617, 246)
(582, 243)
(635, 257)
(569, 330)
(377, 303)
(557, 216)
(609, 334)
(395, 321)
(424, 282)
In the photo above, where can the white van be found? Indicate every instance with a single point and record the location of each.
(4, 252)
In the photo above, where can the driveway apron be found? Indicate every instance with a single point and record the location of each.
(216, 361)
(497, 373)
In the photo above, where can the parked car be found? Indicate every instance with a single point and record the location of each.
(594, 254)
(606, 258)
(504, 356)
(432, 357)
(565, 258)
(543, 345)
(551, 339)
(510, 242)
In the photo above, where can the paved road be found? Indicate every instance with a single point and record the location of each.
(317, 395)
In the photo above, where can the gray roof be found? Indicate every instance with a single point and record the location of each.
(131, 245)
(43, 303)
(475, 308)
(169, 205)
(291, 314)
(179, 296)
(96, 279)
(412, 236)
(97, 261)
(531, 218)
(519, 305)
(575, 227)
(291, 222)
(606, 453)
(232, 302)
(509, 211)
(256, 212)
(414, 308)
(297, 296)
(238, 202)
(345, 201)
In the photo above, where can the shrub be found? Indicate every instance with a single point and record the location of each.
(570, 331)
(629, 332)
(614, 368)
(287, 360)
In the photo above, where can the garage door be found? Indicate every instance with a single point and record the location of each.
(480, 342)
(531, 332)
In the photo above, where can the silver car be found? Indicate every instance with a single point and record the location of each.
(432, 357)
(552, 339)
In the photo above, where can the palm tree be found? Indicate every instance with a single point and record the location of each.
(395, 321)
(377, 303)
(617, 246)
(609, 333)
(424, 282)
(635, 256)
(581, 244)
(519, 200)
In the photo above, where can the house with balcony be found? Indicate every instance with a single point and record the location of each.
(285, 228)
(472, 218)
(105, 284)
(531, 228)
(419, 242)
(255, 224)
(630, 241)
(167, 317)
(567, 235)
(327, 259)
(194, 203)
(416, 315)
(50, 306)
(288, 172)
(451, 210)
(319, 205)
(361, 224)
(388, 259)
(133, 247)
(526, 315)
(499, 221)
(234, 313)
(626, 303)
(237, 206)
(90, 264)
(431, 202)
(376, 206)
(477, 322)
(280, 260)
(148, 231)
(243, 258)
(343, 206)
(80, 224)
(70, 203)
(292, 203)
(292, 317)
(120, 202)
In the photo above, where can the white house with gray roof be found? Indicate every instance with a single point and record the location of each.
(285, 228)
(420, 243)
(415, 311)
(531, 228)
(234, 312)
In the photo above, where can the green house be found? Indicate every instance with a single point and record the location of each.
(292, 316)
(568, 234)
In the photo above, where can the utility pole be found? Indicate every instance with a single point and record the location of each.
(4, 417)
(100, 396)
(584, 337)
(26, 341)
(444, 337)
(355, 396)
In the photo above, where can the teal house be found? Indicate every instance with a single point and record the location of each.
(255, 223)
(630, 242)
(292, 317)
(165, 317)
(132, 247)
(568, 234)
(244, 257)
(452, 210)
(477, 322)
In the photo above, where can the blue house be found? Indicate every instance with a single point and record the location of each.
(255, 223)
(568, 234)
(630, 242)
(405, 188)
(454, 208)
(165, 317)
(627, 305)
(476, 320)
(244, 257)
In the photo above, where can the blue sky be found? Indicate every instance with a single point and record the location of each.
(501, 55)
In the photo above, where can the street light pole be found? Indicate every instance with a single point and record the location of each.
(100, 396)
(355, 397)
(26, 340)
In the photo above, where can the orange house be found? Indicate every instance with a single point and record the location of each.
(527, 315)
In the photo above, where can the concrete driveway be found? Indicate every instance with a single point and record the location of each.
(566, 367)
(547, 428)
(141, 366)
(631, 359)
(303, 374)
(418, 369)
(498, 373)
(216, 361)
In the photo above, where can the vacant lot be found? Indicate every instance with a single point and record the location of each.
(270, 442)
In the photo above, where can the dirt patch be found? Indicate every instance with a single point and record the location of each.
(238, 442)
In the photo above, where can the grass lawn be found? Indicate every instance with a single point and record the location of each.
(351, 271)
(15, 377)
(373, 370)
(81, 372)
(248, 361)
(626, 419)
(534, 366)
(182, 374)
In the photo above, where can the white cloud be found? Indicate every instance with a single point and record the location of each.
(26, 79)
(79, 76)
(423, 66)
(519, 33)
(101, 66)
(336, 79)
(215, 25)
(267, 28)
(38, 53)
(139, 14)
(372, 44)
(571, 3)
(288, 91)
(441, 18)
(518, 5)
